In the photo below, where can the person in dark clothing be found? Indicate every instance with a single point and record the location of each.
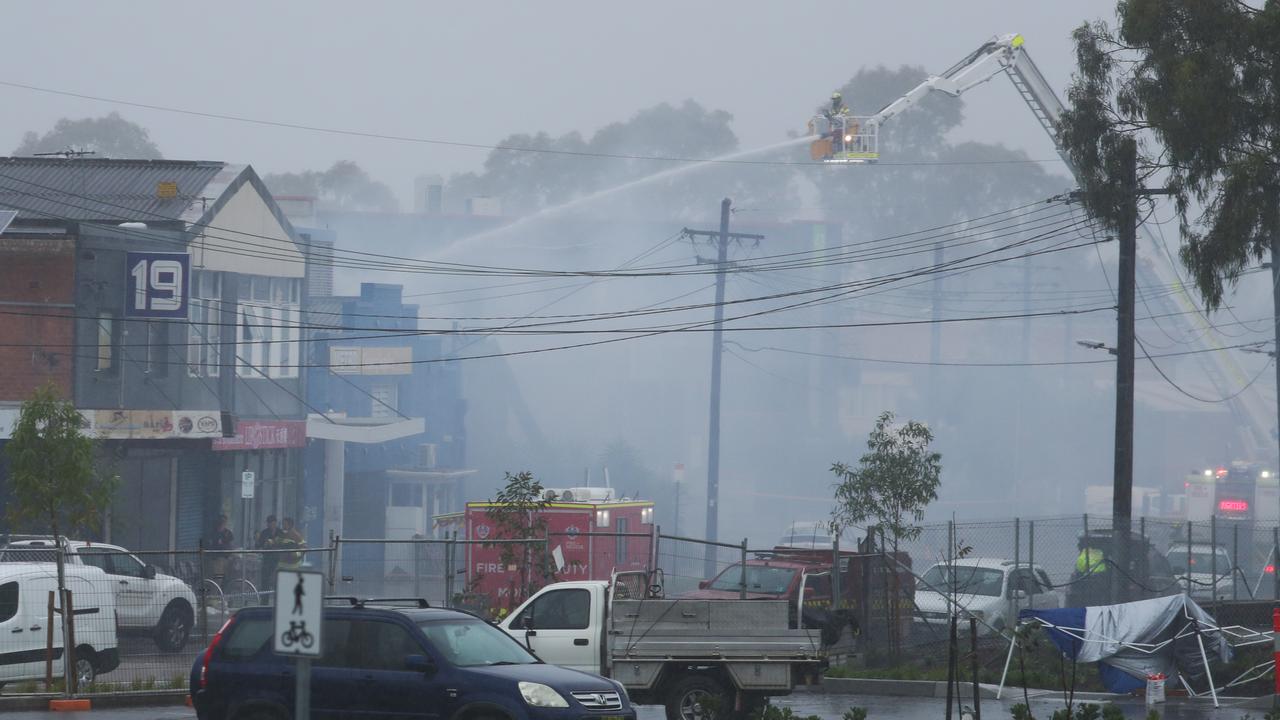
(265, 541)
(267, 534)
(222, 539)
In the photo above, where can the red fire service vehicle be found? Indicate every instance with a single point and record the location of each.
(590, 535)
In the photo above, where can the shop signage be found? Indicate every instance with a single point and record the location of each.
(153, 424)
(264, 435)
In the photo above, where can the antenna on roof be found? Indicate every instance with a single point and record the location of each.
(68, 153)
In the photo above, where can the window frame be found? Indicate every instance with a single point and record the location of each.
(17, 600)
(534, 607)
(106, 329)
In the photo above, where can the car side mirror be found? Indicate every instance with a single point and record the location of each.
(704, 584)
(526, 622)
(420, 664)
(149, 571)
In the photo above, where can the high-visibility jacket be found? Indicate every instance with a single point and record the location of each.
(1090, 561)
(288, 541)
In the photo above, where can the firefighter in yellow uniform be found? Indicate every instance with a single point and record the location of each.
(289, 539)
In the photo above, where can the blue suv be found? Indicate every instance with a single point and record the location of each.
(395, 662)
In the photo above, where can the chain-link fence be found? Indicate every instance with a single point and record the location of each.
(992, 570)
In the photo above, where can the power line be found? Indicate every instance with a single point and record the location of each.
(423, 267)
(1056, 363)
(482, 146)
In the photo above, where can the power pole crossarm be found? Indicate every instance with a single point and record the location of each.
(721, 239)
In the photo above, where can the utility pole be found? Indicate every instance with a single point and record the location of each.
(721, 240)
(1122, 483)
(1122, 489)
(1275, 309)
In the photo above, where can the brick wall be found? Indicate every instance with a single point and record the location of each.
(36, 275)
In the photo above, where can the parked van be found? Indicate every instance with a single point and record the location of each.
(24, 619)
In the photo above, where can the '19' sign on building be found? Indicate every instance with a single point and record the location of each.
(157, 285)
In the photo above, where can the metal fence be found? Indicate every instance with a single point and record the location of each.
(137, 619)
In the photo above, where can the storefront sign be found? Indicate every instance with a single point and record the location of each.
(153, 424)
(264, 435)
(371, 360)
(137, 424)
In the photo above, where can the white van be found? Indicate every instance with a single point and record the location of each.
(24, 619)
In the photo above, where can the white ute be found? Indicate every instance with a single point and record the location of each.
(146, 600)
(678, 653)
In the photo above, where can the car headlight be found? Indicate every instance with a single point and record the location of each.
(539, 695)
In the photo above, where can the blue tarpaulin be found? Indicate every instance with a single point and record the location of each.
(1133, 641)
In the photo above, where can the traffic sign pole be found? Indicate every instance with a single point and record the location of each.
(299, 601)
(302, 689)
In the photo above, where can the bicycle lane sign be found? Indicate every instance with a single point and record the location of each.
(299, 599)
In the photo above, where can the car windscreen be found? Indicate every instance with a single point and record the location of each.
(1200, 562)
(471, 643)
(966, 580)
(760, 579)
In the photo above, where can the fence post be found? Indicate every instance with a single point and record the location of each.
(1275, 564)
(1188, 573)
(48, 650)
(1213, 562)
(742, 582)
(1235, 560)
(417, 569)
(835, 572)
(973, 666)
(69, 644)
(335, 542)
(448, 570)
(1031, 542)
(1017, 562)
(204, 592)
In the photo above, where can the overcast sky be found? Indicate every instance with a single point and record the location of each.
(477, 71)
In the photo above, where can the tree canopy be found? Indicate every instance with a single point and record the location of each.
(110, 136)
(53, 482)
(528, 182)
(1198, 77)
(892, 483)
(344, 186)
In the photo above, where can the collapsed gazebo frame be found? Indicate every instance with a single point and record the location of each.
(1235, 635)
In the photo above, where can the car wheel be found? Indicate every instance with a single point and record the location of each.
(173, 629)
(85, 672)
(698, 698)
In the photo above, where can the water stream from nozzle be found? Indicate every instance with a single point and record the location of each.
(463, 244)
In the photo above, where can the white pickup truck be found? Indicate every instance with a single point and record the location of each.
(683, 654)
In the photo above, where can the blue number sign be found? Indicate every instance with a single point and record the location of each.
(157, 284)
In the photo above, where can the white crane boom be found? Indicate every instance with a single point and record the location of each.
(850, 139)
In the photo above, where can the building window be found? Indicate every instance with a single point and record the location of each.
(158, 348)
(204, 334)
(106, 346)
(383, 396)
(269, 329)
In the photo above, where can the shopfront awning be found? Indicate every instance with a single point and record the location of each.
(363, 430)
